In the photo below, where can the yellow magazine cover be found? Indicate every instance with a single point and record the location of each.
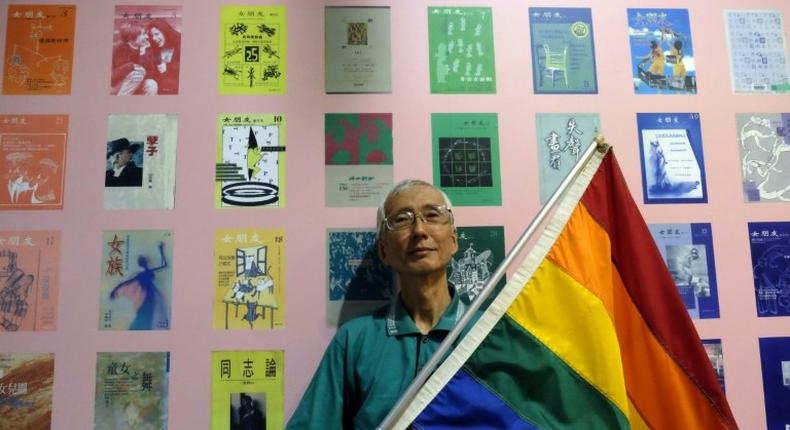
(249, 279)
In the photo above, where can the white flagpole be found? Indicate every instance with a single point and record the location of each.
(598, 144)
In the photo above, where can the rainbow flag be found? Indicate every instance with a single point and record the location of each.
(590, 332)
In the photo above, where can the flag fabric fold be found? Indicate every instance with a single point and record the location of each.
(589, 332)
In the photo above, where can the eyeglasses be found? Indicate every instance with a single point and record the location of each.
(431, 214)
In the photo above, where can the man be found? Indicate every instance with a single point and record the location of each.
(123, 172)
(372, 359)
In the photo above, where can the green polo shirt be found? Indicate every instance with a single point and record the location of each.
(368, 365)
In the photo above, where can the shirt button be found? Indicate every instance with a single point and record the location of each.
(425, 339)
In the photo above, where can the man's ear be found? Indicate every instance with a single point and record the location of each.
(381, 252)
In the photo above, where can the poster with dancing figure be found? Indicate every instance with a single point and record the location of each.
(249, 279)
(250, 169)
(136, 280)
(26, 390)
(770, 250)
(764, 146)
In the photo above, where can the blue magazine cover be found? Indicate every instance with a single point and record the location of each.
(716, 356)
(563, 51)
(688, 252)
(673, 168)
(775, 360)
(662, 54)
(770, 247)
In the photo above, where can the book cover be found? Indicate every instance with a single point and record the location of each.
(132, 390)
(357, 49)
(252, 50)
(561, 139)
(716, 356)
(140, 168)
(466, 157)
(146, 50)
(687, 250)
(33, 161)
(39, 49)
(480, 251)
(29, 280)
(770, 251)
(249, 279)
(250, 170)
(247, 390)
(461, 50)
(26, 390)
(764, 148)
(136, 280)
(758, 51)
(673, 167)
(775, 363)
(563, 52)
(358, 159)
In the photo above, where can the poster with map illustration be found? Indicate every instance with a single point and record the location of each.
(764, 147)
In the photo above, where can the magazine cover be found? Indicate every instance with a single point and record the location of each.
(673, 168)
(561, 139)
(33, 161)
(136, 280)
(764, 147)
(131, 390)
(480, 251)
(563, 53)
(775, 361)
(687, 250)
(358, 282)
(140, 169)
(247, 390)
(662, 53)
(358, 158)
(770, 250)
(758, 51)
(39, 49)
(29, 281)
(716, 357)
(357, 49)
(146, 50)
(252, 50)
(461, 50)
(249, 279)
(250, 170)
(26, 390)
(466, 157)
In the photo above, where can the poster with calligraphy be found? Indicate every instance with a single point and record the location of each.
(758, 51)
(764, 146)
(39, 49)
(252, 50)
(357, 281)
(146, 50)
(247, 390)
(250, 169)
(775, 363)
(132, 390)
(561, 139)
(358, 158)
(563, 52)
(136, 280)
(140, 166)
(716, 356)
(770, 250)
(687, 250)
(461, 50)
(466, 157)
(662, 52)
(29, 281)
(33, 161)
(249, 279)
(673, 167)
(480, 251)
(26, 390)
(357, 49)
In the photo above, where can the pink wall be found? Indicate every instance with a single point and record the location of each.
(305, 219)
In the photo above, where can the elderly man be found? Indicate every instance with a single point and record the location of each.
(372, 359)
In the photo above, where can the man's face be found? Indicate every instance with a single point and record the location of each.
(422, 248)
(141, 40)
(123, 157)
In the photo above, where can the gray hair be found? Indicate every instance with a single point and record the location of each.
(399, 188)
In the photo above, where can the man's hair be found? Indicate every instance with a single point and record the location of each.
(129, 32)
(397, 189)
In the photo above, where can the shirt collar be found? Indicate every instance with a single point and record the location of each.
(400, 323)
